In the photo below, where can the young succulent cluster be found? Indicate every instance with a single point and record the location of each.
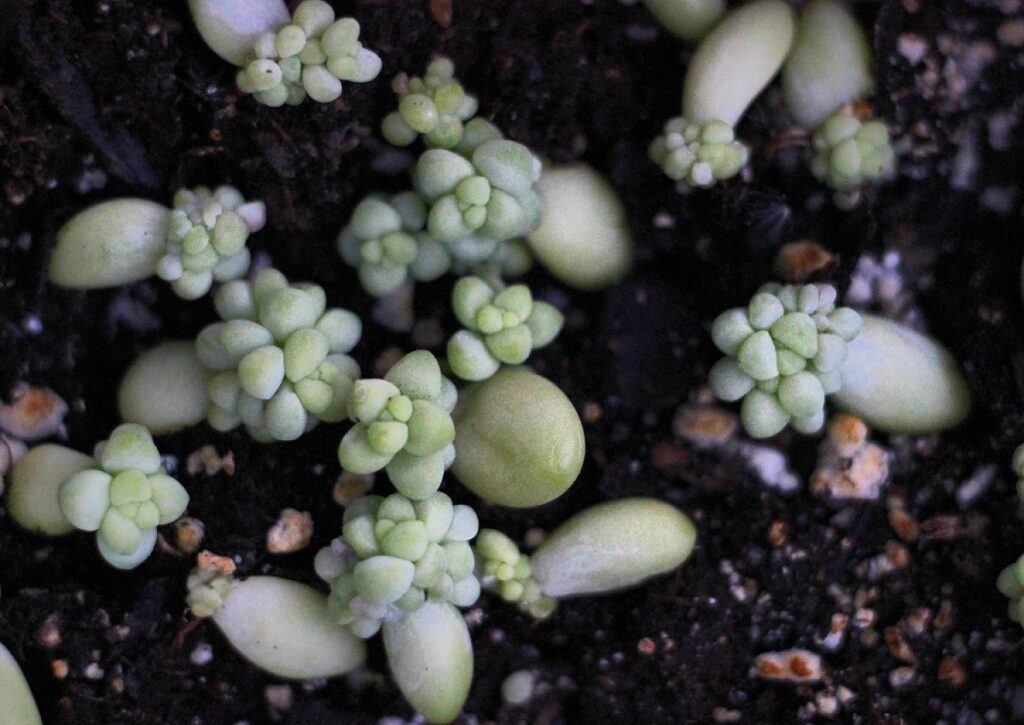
(403, 424)
(279, 357)
(394, 554)
(1011, 584)
(124, 497)
(503, 325)
(311, 56)
(847, 152)
(505, 570)
(435, 106)
(699, 153)
(385, 241)
(784, 351)
(206, 235)
(489, 195)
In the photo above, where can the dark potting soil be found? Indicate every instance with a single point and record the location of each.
(107, 98)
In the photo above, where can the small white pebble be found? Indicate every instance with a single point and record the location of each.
(517, 688)
(201, 655)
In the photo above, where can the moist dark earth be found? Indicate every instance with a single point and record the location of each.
(100, 99)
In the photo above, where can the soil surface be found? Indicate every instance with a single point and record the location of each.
(108, 98)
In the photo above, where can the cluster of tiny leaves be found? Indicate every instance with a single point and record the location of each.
(784, 351)
(847, 152)
(125, 497)
(310, 56)
(699, 154)
(502, 325)
(403, 424)
(206, 591)
(206, 236)
(435, 106)
(505, 570)
(279, 356)
(394, 554)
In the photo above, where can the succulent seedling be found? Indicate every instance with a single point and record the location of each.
(700, 154)
(847, 152)
(386, 242)
(394, 555)
(284, 58)
(124, 497)
(503, 325)
(489, 195)
(506, 571)
(279, 357)
(403, 424)
(435, 106)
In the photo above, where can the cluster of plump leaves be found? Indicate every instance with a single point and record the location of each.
(125, 497)
(279, 356)
(435, 106)
(784, 351)
(386, 242)
(394, 554)
(488, 195)
(310, 56)
(847, 152)
(403, 424)
(503, 325)
(505, 570)
(700, 154)
(206, 236)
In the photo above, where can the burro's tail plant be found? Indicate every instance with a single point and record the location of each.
(279, 357)
(123, 497)
(828, 69)
(488, 195)
(198, 242)
(605, 548)
(403, 424)
(502, 326)
(435, 106)
(283, 58)
(394, 555)
(281, 626)
(791, 346)
(386, 242)
(16, 701)
(731, 66)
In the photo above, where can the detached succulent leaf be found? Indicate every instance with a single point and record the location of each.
(19, 707)
(165, 389)
(34, 485)
(784, 353)
(394, 555)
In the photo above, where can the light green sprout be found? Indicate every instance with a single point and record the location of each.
(310, 56)
(279, 356)
(784, 352)
(503, 325)
(1011, 584)
(1018, 468)
(490, 195)
(847, 152)
(505, 570)
(395, 554)
(435, 106)
(699, 153)
(384, 240)
(124, 498)
(403, 423)
(206, 236)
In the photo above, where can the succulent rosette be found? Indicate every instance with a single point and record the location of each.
(124, 497)
(206, 235)
(394, 555)
(504, 569)
(436, 106)
(403, 424)
(488, 195)
(279, 357)
(783, 354)
(503, 325)
(847, 152)
(699, 153)
(385, 241)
